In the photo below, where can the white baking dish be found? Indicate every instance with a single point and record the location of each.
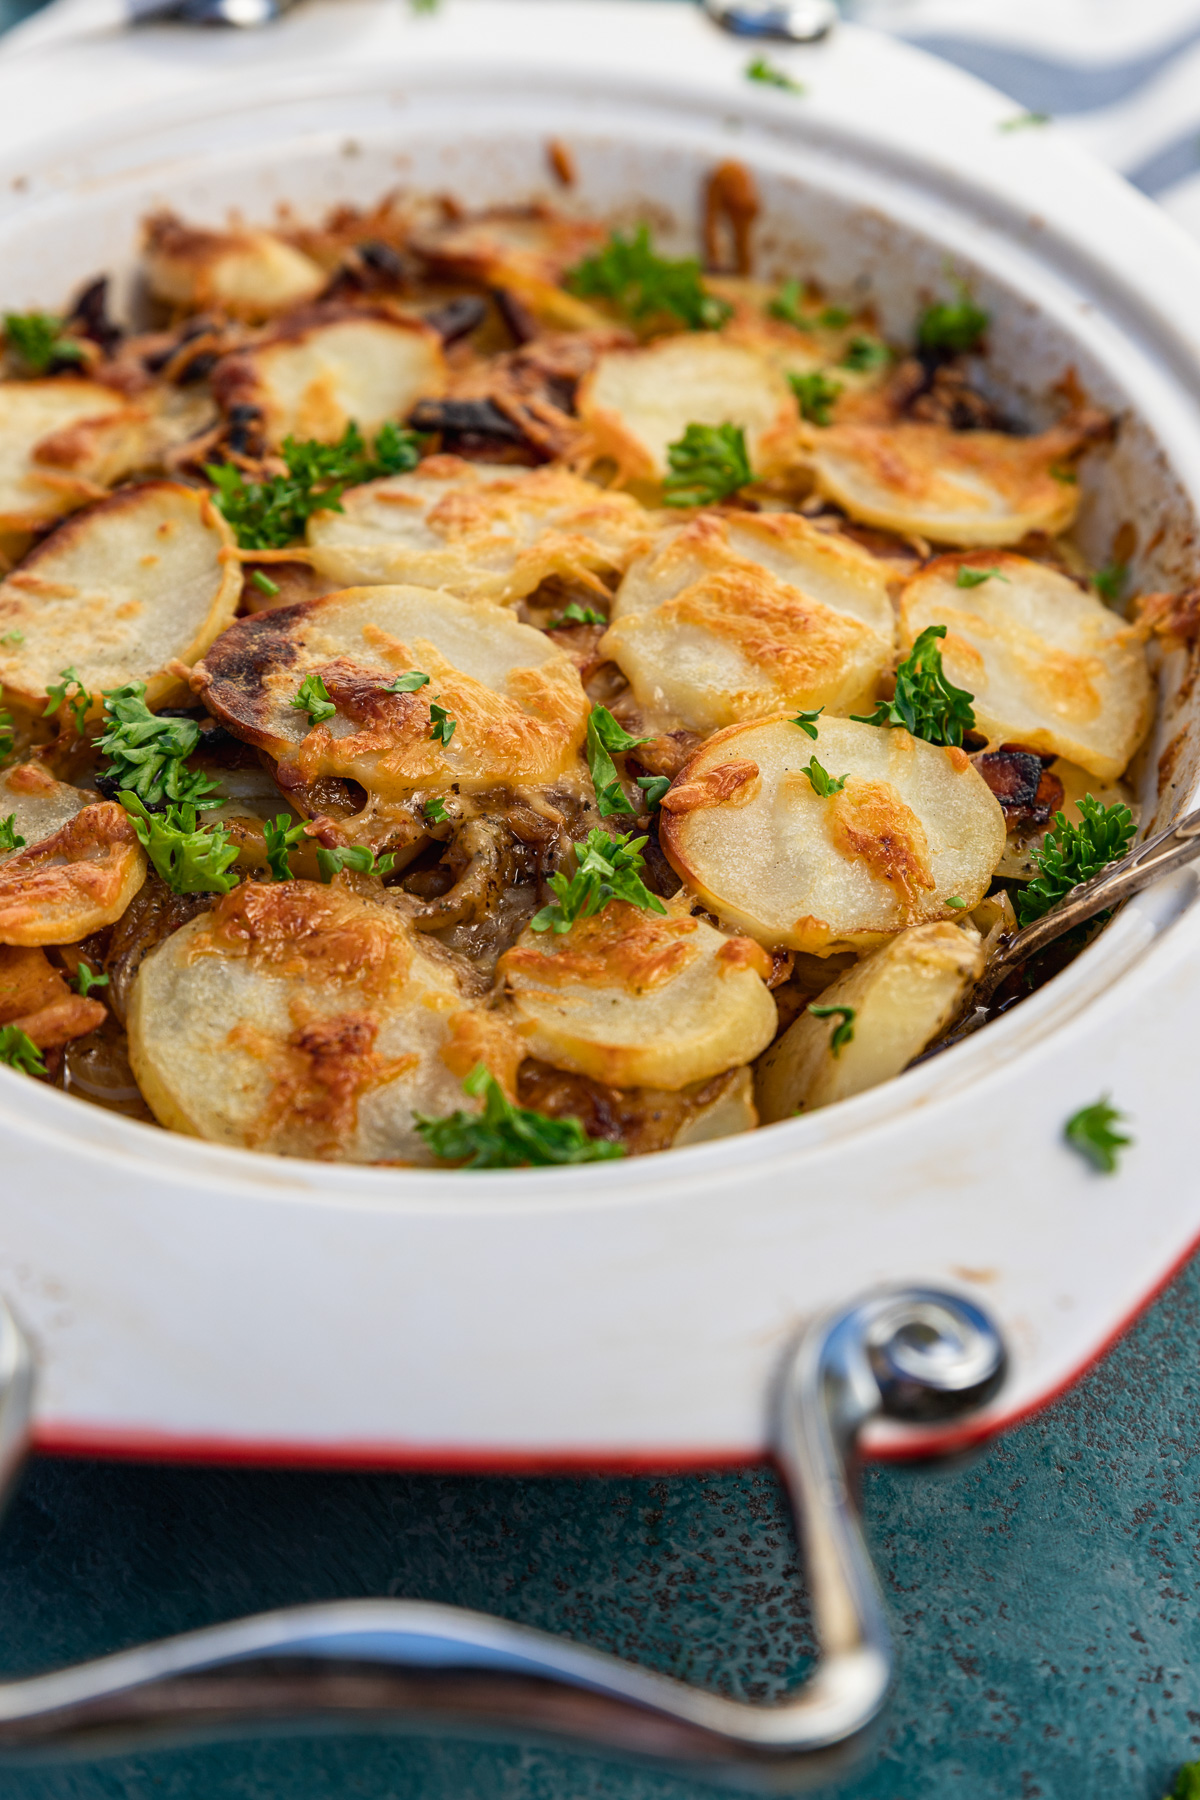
(189, 1300)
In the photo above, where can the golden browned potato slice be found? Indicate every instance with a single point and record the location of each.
(519, 710)
(300, 1019)
(912, 827)
(635, 999)
(118, 592)
(637, 402)
(37, 804)
(333, 366)
(71, 883)
(957, 487)
(1017, 862)
(480, 531)
(525, 249)
(897, 1000)
(34, 997)
(725, 620)
(1049, 665)
(250, 274)
(61, 441)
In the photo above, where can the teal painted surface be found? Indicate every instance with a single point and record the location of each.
(1045, 1599)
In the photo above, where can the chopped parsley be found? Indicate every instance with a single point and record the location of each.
(1020, 122)
(504, 1136)
(7, 740)
(282, 836)
(1074, 853)
(833, 318)
(9, 840)
(435, 812)
(407, 684)
(13, 637)
(821, 781)
(19, 1051)
(843, 1031)
(864, 353)
(643, 285)
(1090, 1131)
(925, 703)
(574, 614)
(707, 465)
(86, 979)
(973, 578)
(192, 859)
(359, 857)
(604, 739)
(956, 901)
(36, 339)
(653, 788)
(270, 514)
(608, 868)
(263, 583)
(312, 697)
(788, 305)
(146, 753)
(1109, 582)
(816, 393)
(78, 704)
(807, 721)
(766, 72)
(952, 327)
(441, 726)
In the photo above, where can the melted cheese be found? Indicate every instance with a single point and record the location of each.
(634, 999)
(1049, 665)
(726, 620)
(79, 879)
(480, 532)
(913, 826)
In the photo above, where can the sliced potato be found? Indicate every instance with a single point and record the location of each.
(61, 441)
(520, 711)
(506, 242)
(250, 274)
(34, 997)
(637, 402)
(81, 877)
(899, 998)
(1049, 665)
(480, 531)
(730, 1112)
(149, 575)
(724, 620)
(636, 1000)
(957, 487)
(37, 804)
(300, 1019)
(332, 366)
(913, 826)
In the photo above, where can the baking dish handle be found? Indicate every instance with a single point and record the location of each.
(908, 1353)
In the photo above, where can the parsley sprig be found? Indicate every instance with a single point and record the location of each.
(359, 857)
(19, 1051)
(7, 737)
(653, 788)
(865, 353)
(1109, 582)
(973, 578)
(281, 836)
(843, 1031)
(192, 859)
(504, 1136)
(147, 754)
(37, 340)
(788, 305)
(952, 327)
(86, 979)
(925, 703)
(312, 697)
(644, 285)
(708, 463)
(604, 739)
(9, 836)
(608, 868)
(574, 614)
(69, 695)
(270, 514)
(807, 721)
(1074, 853)
(1090, 1131)
(816, 394)
(409, 683)
(822, 782)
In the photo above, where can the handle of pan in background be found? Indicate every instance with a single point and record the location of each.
(909, 1353)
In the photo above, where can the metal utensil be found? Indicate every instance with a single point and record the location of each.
(793, 21)
(909, 1353)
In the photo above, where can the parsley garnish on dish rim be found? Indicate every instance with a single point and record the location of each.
(505, 1136)
(925, 702)
(607, 868)
(272, 513)
(761, 70)
(644, 285)
(37, 340)
(708, 463)
(191, 858)
(843, 1031)
(605, 738)
(147, 753)
(1070, 854)
(1090, 1131)
(19, 1051)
